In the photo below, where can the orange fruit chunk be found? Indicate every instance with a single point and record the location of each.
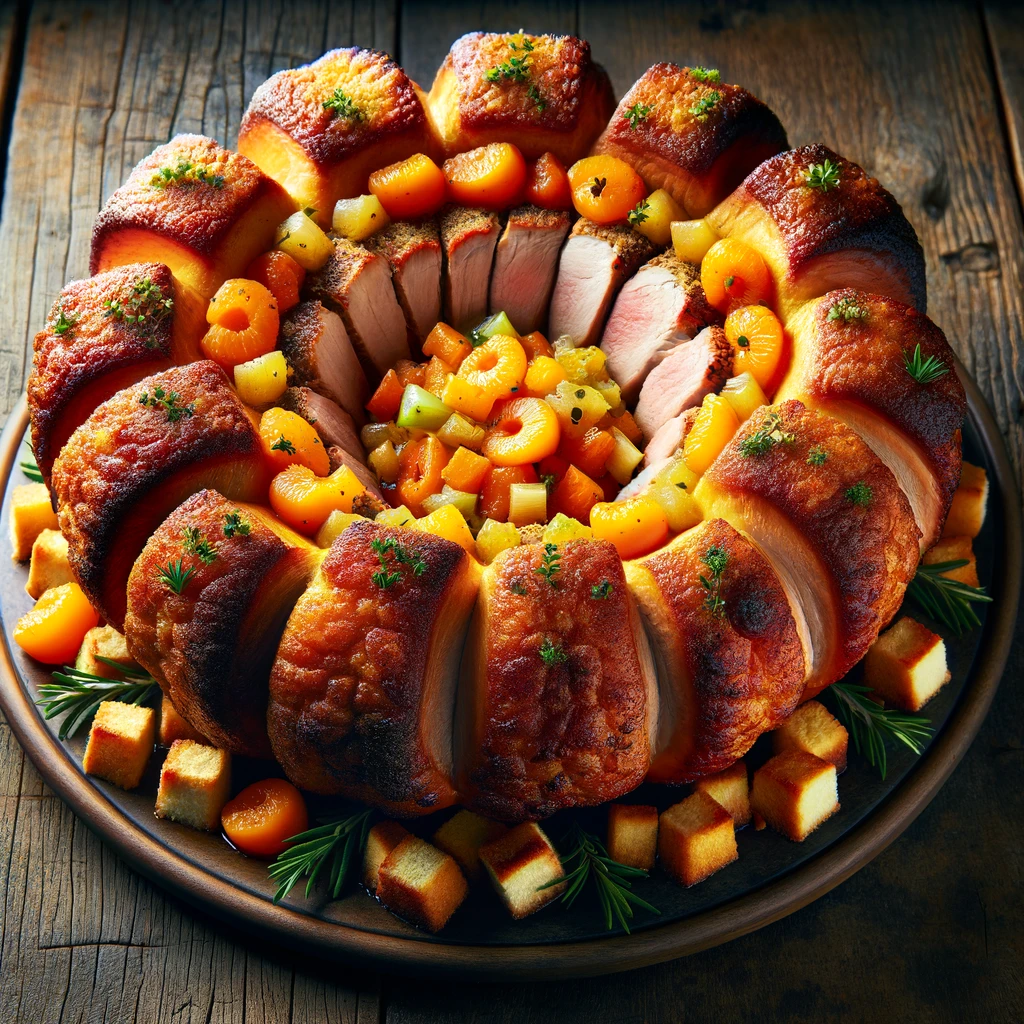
(263, 816)
(243, 318)
(53, 631)
(605, 188)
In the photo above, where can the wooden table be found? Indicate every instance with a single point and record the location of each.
(928, 97)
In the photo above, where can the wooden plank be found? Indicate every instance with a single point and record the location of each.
(1005, 25)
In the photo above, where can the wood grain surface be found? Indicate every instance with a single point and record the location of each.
(930, 98)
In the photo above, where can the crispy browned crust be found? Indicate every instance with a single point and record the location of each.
(346, 712)
(125, 468)
(459, 223)
(402, 238)
(744, 668)
(539, 738)
(211, 647)
(698, 158)
(298, 337)
(699, 312)
(632, 249)
(469, 110)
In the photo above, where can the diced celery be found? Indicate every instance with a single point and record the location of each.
(493, 538)
(744, 394)
(498, 323)
(624, 459)
(400, 516)
(421, 410)
(563, 529)
(464, 501)
(527, 503)
(458, 430)
(337, 523)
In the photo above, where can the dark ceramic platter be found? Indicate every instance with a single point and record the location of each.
(772, 877)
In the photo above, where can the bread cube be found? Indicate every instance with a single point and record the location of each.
(420, 883)
(31, 513)
(49, 566)
(906, 665)
(795, 792)
(380, 841)
(967, 512)
(518, 864)
(633, 835)
(103, 642)
(462, 836)
(696, 838)
(812, 728)
(955, 549)
(731, 789)
(120, 742)
(195, 783)
(174, 727)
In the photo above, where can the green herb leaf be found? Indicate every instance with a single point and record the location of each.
(167, 400)
(947, 600)
(705, 104)
(817, 456)
(706, 74)
(143, 308)
(30, 467)
(63, 323)
(538, 101)
(195, 543)
(924, 369)
(386, 575)
(235, 525)
(847, 310)
(550, 567)
(551, 653)
(639, 213)
(824, 176)
(175, 576)
(80, 693)
(637, 113)
(859, 494)
(716, 559)
(341, 105)
(601, 591)
(282, 444)
(764, 440)
(186, 173)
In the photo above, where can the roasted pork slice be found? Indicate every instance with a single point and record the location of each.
(318, 350)
(204, 211)
(362, 693)
(210, 642)
(684, 376)
(595, 263)
(668, 438)
(662, 305)
(558, 700)
(140, 455)
(852, 357)
(820, 222)
(728, 652)
(95, 343)
(342, 457)
(468, 238)
(334, 425)
(699, 137)
(356, 284)
(832, 520)
(525, 263)
(413, 250)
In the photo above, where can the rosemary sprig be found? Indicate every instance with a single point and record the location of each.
(637, 113)
(824, 176)
(550, 567)
(334, 845)
(924, 369)
(611, 879)
(947, 600)
(870, 725)
(30, 467)
(175, 576)
(81, 693)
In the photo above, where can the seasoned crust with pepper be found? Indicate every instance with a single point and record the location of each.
(728, 671)
(321, 129)
(94, 344)
(850, 356)
(694, 136)
(130, 464)
(362, 692)
(558, 700)
(210, 647)
(555, 100)
(832, 520)
(204, 211)
(848, 232)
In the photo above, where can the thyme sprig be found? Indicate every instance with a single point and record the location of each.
(924, 369)
(552, 653)
(823, 176)
(80, 693)
(341, 105)
(762, 441)
(947, 600)
(144, 308)
(639, 213)
(194, 543)
(235, 525)
(385, 576)
(549, 567)
(716, 559)
(637, 113)
(167, 400)
(705, 104)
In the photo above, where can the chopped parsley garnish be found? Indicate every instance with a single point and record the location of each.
(194, 543)
(282, 444)
(639, 213)
(144, 308)
(518, 587)
(817, 456)
(386, 576)
(167, 400)
(235, 525)
(538, 101)
(637, 113)
(342, 105)
(515, 69)
(715, 558)
(859, 494)
(824, 176)
(175, 576)
(764, 440)
(186, 173)
(601, 591)
(705, 104)
(924, 369)
(63, 323)
(848, 311)
(551, 653)
(706, 74)
(549, 567)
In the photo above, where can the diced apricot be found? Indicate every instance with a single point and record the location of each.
(547, 183)
(304, 500)
(625, 422)
(713, 428)
(410, 189)
(492, 177)
(53, 631)
(448, 522)
(243, 319)
(466, 470)
(498, 366)
(543, 376)
(289, 439)
(635, 526)
(278, 272)
(419, 471)
(467, 398)
(535, 345)
(436, 376)
(590, 453)
(757, 339)
(527, 432)
(386, 400)
(263, 816)
(605, 188)
(448, 344)
(410, 372)
(575, 495)
(733, 274)
(494, 495)
(553, 467)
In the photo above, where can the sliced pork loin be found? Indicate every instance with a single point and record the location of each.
(659, 307)
(334, 425)
(318, 349)
(468, 239)
(525, 264)
(356, 284)
(658, 452)
(413, 250)
(596, 261)
(342, 457)
(684, 376)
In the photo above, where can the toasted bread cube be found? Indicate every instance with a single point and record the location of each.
(49, 566)
(907, 665)
(955, 549)
(696, 838)
(462, 836)
(731, 789)
(195, 783)
(120, 742)
(419, 882)
(812, 728)
(633, 835)
(103, 642)
(518, 864)
(380, 841)
(795, 792)
(31, 513)
(174, 727)
(967, 512)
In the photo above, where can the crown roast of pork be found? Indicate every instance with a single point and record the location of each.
(393, 668)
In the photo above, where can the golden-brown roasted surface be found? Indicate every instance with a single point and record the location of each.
(850, 350)
(557, 700)
(559, 103)
(321, 129)
(362, 691)
(851, 233)
(210, 647)
(204, 211)
(93, 345)
(728, 673)
(831, 518)
(130, 464)
(699, 139)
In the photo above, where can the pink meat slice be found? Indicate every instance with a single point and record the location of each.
(334, 425)
(468, 238)
(659, 452)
